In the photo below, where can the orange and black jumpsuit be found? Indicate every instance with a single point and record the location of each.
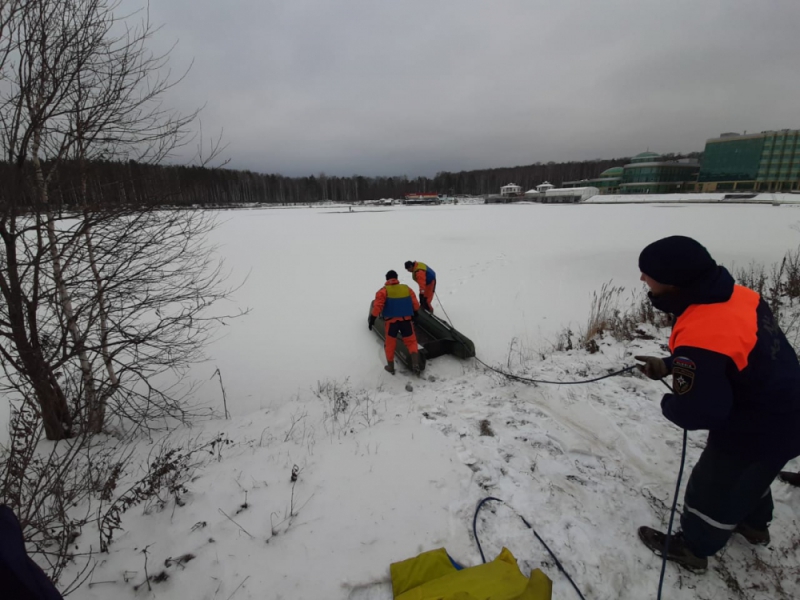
(426, 280)
(396, 303)
(735, 374)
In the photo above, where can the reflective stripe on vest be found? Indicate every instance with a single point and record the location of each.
(430, 275)
(398, 302)
(728, 328)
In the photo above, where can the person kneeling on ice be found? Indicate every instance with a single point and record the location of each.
(426, 280)
(397, 304)
(734, 374)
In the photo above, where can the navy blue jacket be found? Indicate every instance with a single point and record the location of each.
(20, 577)
(751, 409)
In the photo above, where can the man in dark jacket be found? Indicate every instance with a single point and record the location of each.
(733, 374)
(20, 577)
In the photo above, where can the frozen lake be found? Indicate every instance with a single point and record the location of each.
(400, 472)
(505, 271)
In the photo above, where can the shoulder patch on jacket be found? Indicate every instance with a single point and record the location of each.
(683, 374)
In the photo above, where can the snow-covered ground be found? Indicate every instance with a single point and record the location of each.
(505, 272)
(384, 472)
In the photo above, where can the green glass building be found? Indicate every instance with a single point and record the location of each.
(768, 161)
(607, 182)
(647, 173)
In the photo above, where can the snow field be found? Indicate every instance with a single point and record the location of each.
(385, 473)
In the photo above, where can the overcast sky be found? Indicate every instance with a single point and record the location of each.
(419, 86)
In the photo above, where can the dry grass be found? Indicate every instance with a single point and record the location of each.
(779, 285)
(621, 315)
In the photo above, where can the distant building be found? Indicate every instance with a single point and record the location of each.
(768, 161)
(542, 188)
(512, 189)
(422, 198)
(647, 173)
(608, 181)
(552, 195)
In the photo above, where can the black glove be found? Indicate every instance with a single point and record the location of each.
(423, 302)
(653, 367)
(371, 321)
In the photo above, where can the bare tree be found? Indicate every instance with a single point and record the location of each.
(99, 296)
(104, 298)
(147, 300)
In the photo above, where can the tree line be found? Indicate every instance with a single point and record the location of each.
(131, 183)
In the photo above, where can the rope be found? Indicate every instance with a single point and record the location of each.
(528, 379)
(579, 382)
(674, 508)
(443, 310)
(528, 525)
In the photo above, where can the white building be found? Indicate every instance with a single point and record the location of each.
(542, 188)
(561, 195)
(512, 189)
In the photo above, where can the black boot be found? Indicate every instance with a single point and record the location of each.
(390, 367)
(757, 537)
(415, 366)
(678, 552)
(423, 302)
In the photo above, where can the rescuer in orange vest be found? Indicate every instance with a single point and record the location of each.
(397, 304)
(734, 374)
(426, 280)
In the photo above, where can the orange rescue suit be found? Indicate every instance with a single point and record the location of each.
(396, 294)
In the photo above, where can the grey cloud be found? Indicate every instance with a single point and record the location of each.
(420, 86)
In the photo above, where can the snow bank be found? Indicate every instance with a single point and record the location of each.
(694, 199)
(398, 472)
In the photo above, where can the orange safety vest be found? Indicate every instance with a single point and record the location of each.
(728, 328)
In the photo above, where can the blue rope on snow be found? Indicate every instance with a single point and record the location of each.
(674, 508)
(528, 525)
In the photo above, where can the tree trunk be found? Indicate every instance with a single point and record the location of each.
(69, 313)
(58, 278)
(50, 397)
(97, 411)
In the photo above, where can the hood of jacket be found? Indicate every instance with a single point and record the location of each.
(716, 288)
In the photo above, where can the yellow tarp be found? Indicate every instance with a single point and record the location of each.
(432, 576)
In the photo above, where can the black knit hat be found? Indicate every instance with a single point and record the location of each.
(409, 264)
(676, 260)
(391, 275)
